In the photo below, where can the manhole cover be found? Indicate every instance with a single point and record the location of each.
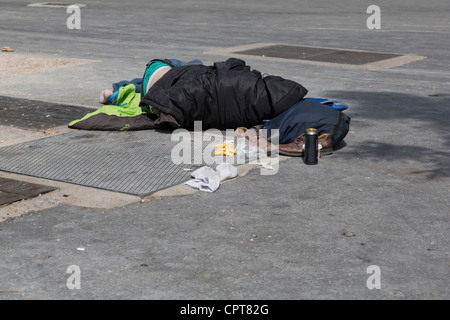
(15, 190)
(133, 162)
(319, 55)
(34, 114)
(54, 5)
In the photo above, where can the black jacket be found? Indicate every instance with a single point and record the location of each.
(226, 95)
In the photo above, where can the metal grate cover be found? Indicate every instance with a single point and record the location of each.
(319, 54)
(134, 162)
(14, 190)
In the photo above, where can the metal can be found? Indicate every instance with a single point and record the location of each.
(311, 146)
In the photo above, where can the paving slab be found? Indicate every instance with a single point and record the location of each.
(37, 115)
(252, 239)
(14, 190)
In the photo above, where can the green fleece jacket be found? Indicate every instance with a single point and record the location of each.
(126, 114)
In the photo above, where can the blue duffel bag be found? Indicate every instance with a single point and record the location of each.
(310, 113)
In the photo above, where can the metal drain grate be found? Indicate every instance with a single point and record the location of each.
(319, 55)
(13, 190)
(135, 162)
(34, 114)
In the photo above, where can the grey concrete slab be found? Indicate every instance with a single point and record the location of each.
(136, 162)
(14, 190)
(319, 54)
(37, 115)
(307, 232)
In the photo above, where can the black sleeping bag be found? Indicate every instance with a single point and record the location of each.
(309, 114)
(226, 95)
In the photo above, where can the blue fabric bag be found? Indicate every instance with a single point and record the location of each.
(309, 113)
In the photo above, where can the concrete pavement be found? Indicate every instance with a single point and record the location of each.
(307, 232)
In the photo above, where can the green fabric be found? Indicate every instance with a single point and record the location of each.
(151, 69)
(127, 105)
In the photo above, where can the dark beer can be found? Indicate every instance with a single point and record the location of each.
(311, 146)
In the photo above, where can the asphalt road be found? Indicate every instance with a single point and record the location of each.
(307, 232)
